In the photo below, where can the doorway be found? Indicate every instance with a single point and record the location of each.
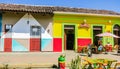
(96, 30)
(69, 37)
(35, 38)
(116, 31)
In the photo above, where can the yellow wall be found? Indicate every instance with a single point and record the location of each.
(57, 29)
(108, 28)
(83, 32)
(60, 18)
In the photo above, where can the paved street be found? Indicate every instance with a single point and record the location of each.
(45, 58)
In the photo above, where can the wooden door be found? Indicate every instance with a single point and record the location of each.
(35, 39)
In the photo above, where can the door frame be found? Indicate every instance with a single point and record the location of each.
(103, 30)
(76, 32)
(113, 32)
(36, 36)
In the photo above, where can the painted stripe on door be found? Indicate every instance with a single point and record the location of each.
(34, 44)
(7, 44)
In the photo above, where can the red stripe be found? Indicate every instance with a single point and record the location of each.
(57, 44)
(84, 41)
(8, 44)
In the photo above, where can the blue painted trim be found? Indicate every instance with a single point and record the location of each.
(1, 40)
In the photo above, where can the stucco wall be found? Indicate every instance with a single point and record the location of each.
(46, 21)
(10, 18)
(21, 30)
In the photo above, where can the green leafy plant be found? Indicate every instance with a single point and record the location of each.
(75, 63)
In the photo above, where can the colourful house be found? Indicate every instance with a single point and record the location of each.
(40, 28)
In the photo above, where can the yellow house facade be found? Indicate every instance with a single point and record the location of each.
(80, 29)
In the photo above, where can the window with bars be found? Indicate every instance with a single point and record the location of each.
(8, 27)
(35, 31)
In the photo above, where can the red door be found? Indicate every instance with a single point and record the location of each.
(35, 33)
(34, 44)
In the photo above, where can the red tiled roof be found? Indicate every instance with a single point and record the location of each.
(38, 9)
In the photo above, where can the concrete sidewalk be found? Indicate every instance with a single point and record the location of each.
(45, 58)
(42, 59)
(35, 57)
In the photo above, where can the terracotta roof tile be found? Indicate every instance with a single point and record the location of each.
(38, 9)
